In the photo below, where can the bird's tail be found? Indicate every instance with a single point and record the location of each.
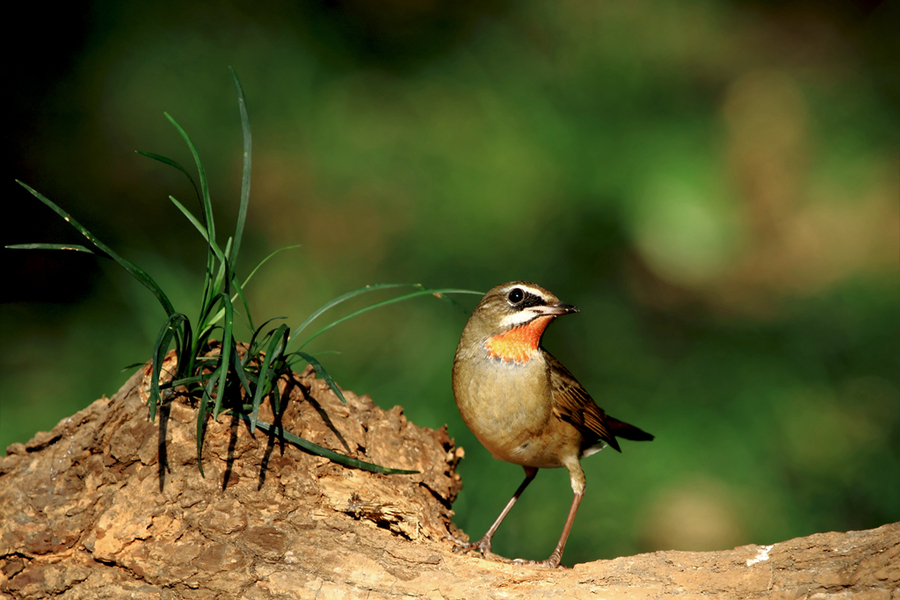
(626, 431)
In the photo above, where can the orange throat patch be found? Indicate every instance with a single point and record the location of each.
(518, 344)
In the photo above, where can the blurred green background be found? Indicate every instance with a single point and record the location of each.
(714, 184)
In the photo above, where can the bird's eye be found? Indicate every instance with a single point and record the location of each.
(515, 296)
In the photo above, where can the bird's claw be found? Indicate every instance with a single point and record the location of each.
(552, 562)
(456, 541)
(483, 545)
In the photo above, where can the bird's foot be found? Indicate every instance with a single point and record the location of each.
(483, 545)
(552, 562)
(452, 538)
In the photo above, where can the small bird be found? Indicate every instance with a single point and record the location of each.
(522, 404)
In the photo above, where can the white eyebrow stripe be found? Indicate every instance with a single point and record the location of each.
(529, 289)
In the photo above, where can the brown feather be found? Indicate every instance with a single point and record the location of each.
(573, 404)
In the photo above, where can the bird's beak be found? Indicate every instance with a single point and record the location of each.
(560, 308)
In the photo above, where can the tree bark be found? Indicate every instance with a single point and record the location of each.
(111, 505)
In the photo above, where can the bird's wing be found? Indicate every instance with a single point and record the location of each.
(573, 404)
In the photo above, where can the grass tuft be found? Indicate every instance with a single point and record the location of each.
(206, 368)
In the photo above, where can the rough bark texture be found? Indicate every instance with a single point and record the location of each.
(101, 508)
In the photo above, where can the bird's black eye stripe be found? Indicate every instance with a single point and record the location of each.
(533, 300)
(523, 299)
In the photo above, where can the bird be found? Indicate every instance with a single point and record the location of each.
(522, 404)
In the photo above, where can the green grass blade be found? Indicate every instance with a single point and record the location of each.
(213, 388)
(209, 289)
(245, 170)
(206, 206)
(450, 300)
(341, 459)
(366, 309)
(171, 163)
(160, 349)
(224, 277)
(186, 381)
(129, 266)
(239, 369)
(212, 290)
(207, 227)
(215, 284)
(321, 372)
(204, 184)
(198, 226)
(265, 260)
(239, 287)
(239, 294)
(225, 353)
(251, 347)
(214, 287)
(39, 246)
(274, 351)
(186, 356)
(338, 300)
(209, 319)
(203, 338)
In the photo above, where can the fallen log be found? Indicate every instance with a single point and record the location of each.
(111, 505)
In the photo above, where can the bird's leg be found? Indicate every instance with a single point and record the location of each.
(556, 557)
(484, 544)
(576, 475)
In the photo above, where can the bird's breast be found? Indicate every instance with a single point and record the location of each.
(506, 404)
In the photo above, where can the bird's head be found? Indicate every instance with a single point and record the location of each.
(512, 317)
